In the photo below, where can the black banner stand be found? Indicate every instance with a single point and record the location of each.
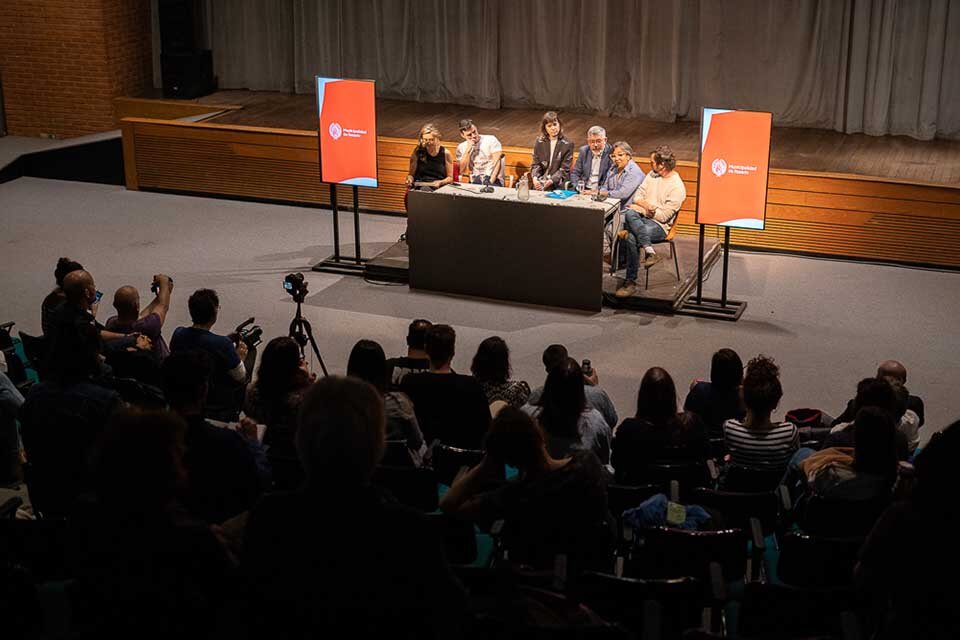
(337, 263)
(719, 309)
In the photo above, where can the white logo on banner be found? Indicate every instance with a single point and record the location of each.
(719, 167)
(335, 131)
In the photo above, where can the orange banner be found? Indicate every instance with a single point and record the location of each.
(347, 131)
(734, 163)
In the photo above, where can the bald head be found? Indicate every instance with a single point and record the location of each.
(127, 302)
(893, 371)
(79, 288)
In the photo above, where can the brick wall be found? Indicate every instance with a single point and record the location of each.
(64, 61)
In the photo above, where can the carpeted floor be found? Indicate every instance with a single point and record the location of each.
(827, 323)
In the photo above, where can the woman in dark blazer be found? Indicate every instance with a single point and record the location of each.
(552, 154)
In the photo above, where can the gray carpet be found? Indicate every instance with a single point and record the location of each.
(827, 323)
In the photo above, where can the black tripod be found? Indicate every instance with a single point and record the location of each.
(302, 332)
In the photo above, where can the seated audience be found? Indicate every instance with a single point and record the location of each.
(597, 398)
(368, 363)
(878, 392)
(623, 178)
(480, 156)
(149, 321)
(718, 400)
(144, 567)
(491, 368)
(51, 304)
(865, 472)
(273, 399)
(908, 562)
(593, 160)
(431, 164)
(555, 504)
(568, 423)
(896, 374)
(657, 433)
(449, 406)
(10, 402)
(552, 155)
(62, 416)
(223, 470)
(229, 377)
(650, 217)
(334, 559)
(756, 442)
(416, 359)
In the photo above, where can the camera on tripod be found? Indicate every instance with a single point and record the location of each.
(249, 333)
(296, 286)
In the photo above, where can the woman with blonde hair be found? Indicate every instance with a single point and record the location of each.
(431, 165)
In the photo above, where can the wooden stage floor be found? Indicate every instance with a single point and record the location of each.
(894, 157)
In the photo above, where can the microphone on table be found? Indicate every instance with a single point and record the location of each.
(486, 185)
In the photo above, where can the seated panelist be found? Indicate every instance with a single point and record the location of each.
(552, 154)
(431, 164)
(623, 178)
(593, 159)
(480, 156)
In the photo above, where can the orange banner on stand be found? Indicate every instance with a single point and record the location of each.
(347, 131)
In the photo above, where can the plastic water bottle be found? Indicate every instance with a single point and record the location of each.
(523, 188)
(580, 186)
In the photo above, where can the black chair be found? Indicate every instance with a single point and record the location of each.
(35, 348)
(619, 499)
(751, 480)
(661, 608)
(817, 562)
(458, 537)
(737, 508)
(663, 552)
(689, 475)
(412, 486)
(38, 546)
(447, 460)
(831, 517)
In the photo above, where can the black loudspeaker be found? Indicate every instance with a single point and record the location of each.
(187, 74)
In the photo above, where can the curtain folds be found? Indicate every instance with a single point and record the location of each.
(873, 66)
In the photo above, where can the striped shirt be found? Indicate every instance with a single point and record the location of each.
(764, 449)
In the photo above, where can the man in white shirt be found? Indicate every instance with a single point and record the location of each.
(480, 156)
(650, 217)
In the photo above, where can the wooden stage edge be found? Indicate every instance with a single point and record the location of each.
(825, 214)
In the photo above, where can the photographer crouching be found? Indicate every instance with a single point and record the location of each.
(232, 357)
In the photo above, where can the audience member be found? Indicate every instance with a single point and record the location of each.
(597, 398)
(756, 442)
(552, 154)
(718, 400)
(149, 321)
(650, 216)
(52, 303)
(416, 359)
(878, 392)
(449, 406)
(10, 402)
(431, 165)
(593, 160)
(144, 567)
(229, 377)
(896, 374)
(273, 399)
(556, 504)
(368, 363)
(491, 368)
(335, 559)
(224, 476)
(480, 156)
(908, 561)
(567, 421)
(62, 416)
(657, 433)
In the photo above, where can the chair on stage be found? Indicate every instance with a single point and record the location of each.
(614, 223)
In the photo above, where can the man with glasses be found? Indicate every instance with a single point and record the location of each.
(593, 160)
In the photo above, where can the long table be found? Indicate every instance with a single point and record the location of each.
(540, 251)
